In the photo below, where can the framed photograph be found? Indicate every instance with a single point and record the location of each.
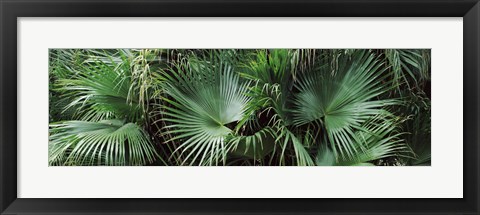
(239, 107)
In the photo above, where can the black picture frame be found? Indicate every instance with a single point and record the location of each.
(10, 10)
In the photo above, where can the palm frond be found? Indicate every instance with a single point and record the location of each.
(379, 138)
(100, 91)
(107, 142)
(409, 66)
(239, 107)
(255, 146)
(343, 101)
(417, 126)
(272, 72)
(203, 97)
(302, 156)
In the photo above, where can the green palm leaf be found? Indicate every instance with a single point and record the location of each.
(285, 137)
(255, 146)
(379, 138)
(107, 142)
(203, 97)
(342, 101)
(100, 91)
(274, 72)
(239, 106)
(409, 66)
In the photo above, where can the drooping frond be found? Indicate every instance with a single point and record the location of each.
(409, 66)
(107, 142)
(255, 146)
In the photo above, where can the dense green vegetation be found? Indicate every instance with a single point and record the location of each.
(272, 107)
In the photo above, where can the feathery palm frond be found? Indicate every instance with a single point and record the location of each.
(273, 73)
(409, 66)
(62, 65)
(418, 125)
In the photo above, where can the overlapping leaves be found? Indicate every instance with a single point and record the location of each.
(228, 107)
(107, 129)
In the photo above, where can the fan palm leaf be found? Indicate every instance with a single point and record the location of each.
(100, 91)
(379, 138)
(203, 97)
(342, 101)
(107, 142)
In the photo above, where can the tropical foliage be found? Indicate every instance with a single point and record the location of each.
(240, 107)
